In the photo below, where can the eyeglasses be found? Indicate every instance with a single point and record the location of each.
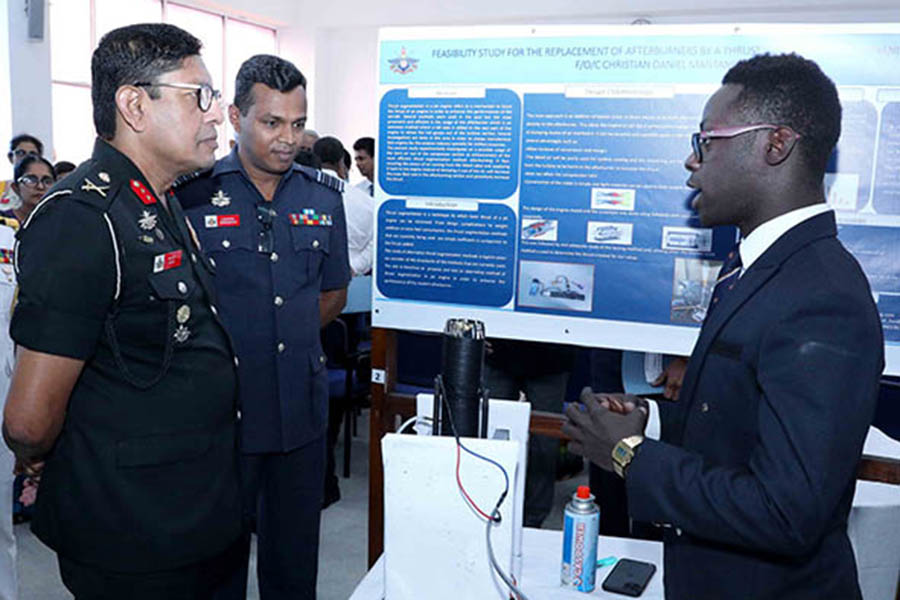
(34, 180)
(205, 94)
(266, 216)
(20, 154)
(701, 139)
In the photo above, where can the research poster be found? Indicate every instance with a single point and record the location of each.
(533, 177)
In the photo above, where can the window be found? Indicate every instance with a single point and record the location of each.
(77, 25)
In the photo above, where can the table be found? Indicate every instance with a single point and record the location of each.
(542, 553)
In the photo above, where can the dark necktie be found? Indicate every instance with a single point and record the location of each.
(371, 189)
(728, 277)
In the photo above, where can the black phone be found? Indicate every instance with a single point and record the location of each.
(629, 577)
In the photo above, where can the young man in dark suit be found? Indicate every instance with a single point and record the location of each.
(754, 475)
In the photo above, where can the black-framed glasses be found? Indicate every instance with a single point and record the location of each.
(701, 139)
(33, 180)
(19, 154)
(205, 93)
(266, 216)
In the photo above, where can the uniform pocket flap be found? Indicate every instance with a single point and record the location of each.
(158, 450)
(172, 284)
(314, 238)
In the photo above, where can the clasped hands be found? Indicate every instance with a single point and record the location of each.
(597, 423)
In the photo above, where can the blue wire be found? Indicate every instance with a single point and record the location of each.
(493, 462)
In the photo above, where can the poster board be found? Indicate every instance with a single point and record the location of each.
(533, 178)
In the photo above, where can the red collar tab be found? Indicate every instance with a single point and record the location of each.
(141, 191)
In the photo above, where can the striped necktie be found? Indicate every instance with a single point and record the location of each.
(728, 277)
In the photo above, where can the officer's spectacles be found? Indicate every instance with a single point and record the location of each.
(34, 180)
(19, 154)
(700, 140)
(266, 216)
(205, 94)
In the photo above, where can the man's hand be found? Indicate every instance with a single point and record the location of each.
(594, 429)
(618, 403)
(672, 377)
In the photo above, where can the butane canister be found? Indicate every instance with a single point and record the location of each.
(579, 553)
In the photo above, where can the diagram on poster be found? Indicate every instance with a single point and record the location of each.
(533, 178)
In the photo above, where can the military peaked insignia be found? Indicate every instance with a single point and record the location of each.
(310, 217)
(141, 191)
(220, 199)
(147, 220)
(182, 334)
(90, 186)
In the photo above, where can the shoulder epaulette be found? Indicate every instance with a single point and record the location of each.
(186, 179)
(318, 176)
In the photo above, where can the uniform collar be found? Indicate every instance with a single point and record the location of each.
(121, 168)
(232, 164)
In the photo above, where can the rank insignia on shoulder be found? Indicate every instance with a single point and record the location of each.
(330, 181)
(220, 199)
(6, 256)
(169, 260)
(310, 217)
(90, 186)
(141, 191)
(214, 221)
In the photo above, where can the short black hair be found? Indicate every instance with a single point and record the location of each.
(26, 137)
(348, 160)
(63, 166)
(26, 162)
(268, 70)
(132, 54)
(787, 89)
(367, 144)
(308, 159)
(329, 150)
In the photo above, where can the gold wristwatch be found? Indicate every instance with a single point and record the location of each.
(623, 452)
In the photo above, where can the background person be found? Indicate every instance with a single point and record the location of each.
(32, 177)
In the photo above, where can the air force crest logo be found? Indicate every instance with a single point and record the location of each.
(403, 64)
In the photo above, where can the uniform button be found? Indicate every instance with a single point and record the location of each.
(279, 300)
(212, 261)
(315, 243)
(678, 531)
(226, 244)
(214, 310)
(322, 359)
(193, 257)
(281, 346)
(236, 361)
(704, 407)
(238, 415)
(274, 257)
(182, 287)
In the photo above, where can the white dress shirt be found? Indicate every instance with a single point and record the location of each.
(359, 208)
(760, 239)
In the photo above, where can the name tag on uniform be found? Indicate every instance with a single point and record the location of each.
(310, 217)
(6, 256)
(169, 260)
(213, 221)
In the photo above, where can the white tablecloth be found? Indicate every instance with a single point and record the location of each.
(542, 550)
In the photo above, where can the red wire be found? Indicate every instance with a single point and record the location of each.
(463, 489)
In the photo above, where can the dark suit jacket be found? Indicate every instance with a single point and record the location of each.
(756, 469)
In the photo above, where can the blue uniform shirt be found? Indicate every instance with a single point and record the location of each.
(272, 260)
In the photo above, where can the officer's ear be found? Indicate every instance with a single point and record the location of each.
(234, 117)
(130, 106)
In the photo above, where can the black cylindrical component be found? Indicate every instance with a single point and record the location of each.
(461, 369)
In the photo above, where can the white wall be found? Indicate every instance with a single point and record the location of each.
(346, 40)
(28, 64)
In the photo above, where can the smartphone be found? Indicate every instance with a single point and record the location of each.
(629, 577)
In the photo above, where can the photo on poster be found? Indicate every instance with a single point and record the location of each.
(539, 230)
(560, 286)
(599, 232)
(841, 190)
(693, 282)
(612, 198)
(694, 239)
